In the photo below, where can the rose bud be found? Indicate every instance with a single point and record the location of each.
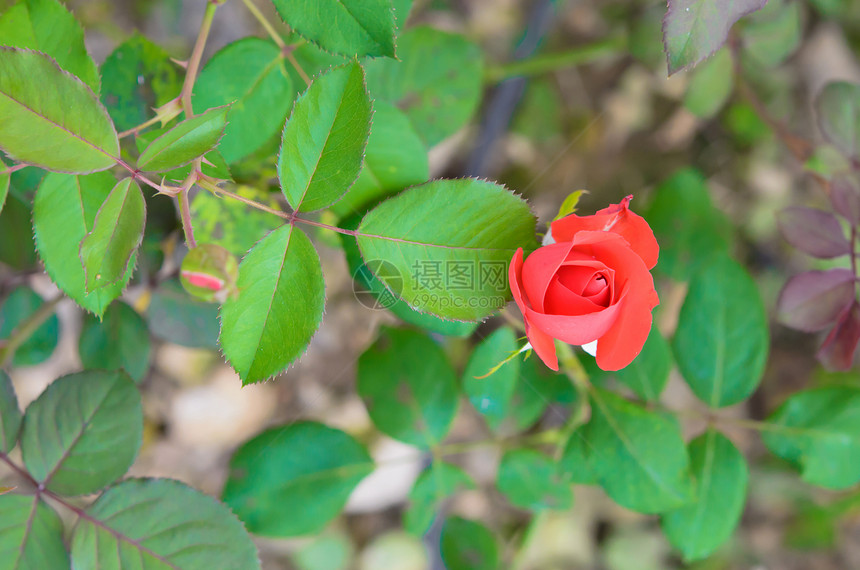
(593, 285)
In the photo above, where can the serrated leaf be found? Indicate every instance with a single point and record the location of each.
(576, 461)
(186, 141)
(48, 27)
(173, 315)
(323, 141)
(437, 483)
(813, 300)
(10, 414)
(213, 163)
(694, 29)
(449, 240)
(279, 306)
(721, 474)
(83, 431)
(819, 432)
(31, 536)
(19, 306)
(108, 248)
(160, 523)
(119, 341)
(639, 456)
(408, 386)
(138, 77)
(838, 110)
(648, 374)
(64, 210)
(468, 545)
(722, 339)
(372, 293)
(687, 225)
(51, 119)
(813, 231)
(710, 85)
(491, 395)
(348, 27)
(437, 83)
(531, 480)
(250, 74)
(308, 466)
(395, 159)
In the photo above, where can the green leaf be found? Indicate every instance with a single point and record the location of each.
(721, 342)
(373, 294)
(308, 466)
(119, 341)
(51, 119)
(491, 394)
(160, 523)
(639, 456)
(323, 141)
(531, 480)
(450, 241)
(230, 223)
(437, 483)
(401, 12)
(348, 27)
(468, 545)
(250, 74)
(279, 307)
(577, 462)
(648, 373)
(173, 315)
(19, 306)
(722, 474)
(31, 536)
(107, 251)
(694, 29)
(186, 141)
(771, 35)
(838, 110)
(10, 415)
(48, 27)
(395, 159)
(687, 225)
(408, 386)
(710, 85)
(138, 77)
(4, 185)
(83, 431)
(15, 246)
(64, 212)
(213, 163)
(437, 84)
(536, 388)
(819, 432)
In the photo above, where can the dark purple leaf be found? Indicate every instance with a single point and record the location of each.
(694, 29)
(811, 301)
(815, 232)
(837, 352)
(845, 197)
(838, 110)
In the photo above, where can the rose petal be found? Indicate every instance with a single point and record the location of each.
(538, 270)
(542, 343)
(617, 218)
(560, 300)
(576, 329)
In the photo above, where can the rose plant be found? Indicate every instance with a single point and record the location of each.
(130, 190)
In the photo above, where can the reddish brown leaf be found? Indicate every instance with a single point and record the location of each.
(837, 352)
(812, 231)
(845, 197)
(811, 301)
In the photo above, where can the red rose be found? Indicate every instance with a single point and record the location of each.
(592, 285)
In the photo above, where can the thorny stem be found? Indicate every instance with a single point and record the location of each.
(26, 329)
(276, 37)
(196, 56)
(185, 207)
